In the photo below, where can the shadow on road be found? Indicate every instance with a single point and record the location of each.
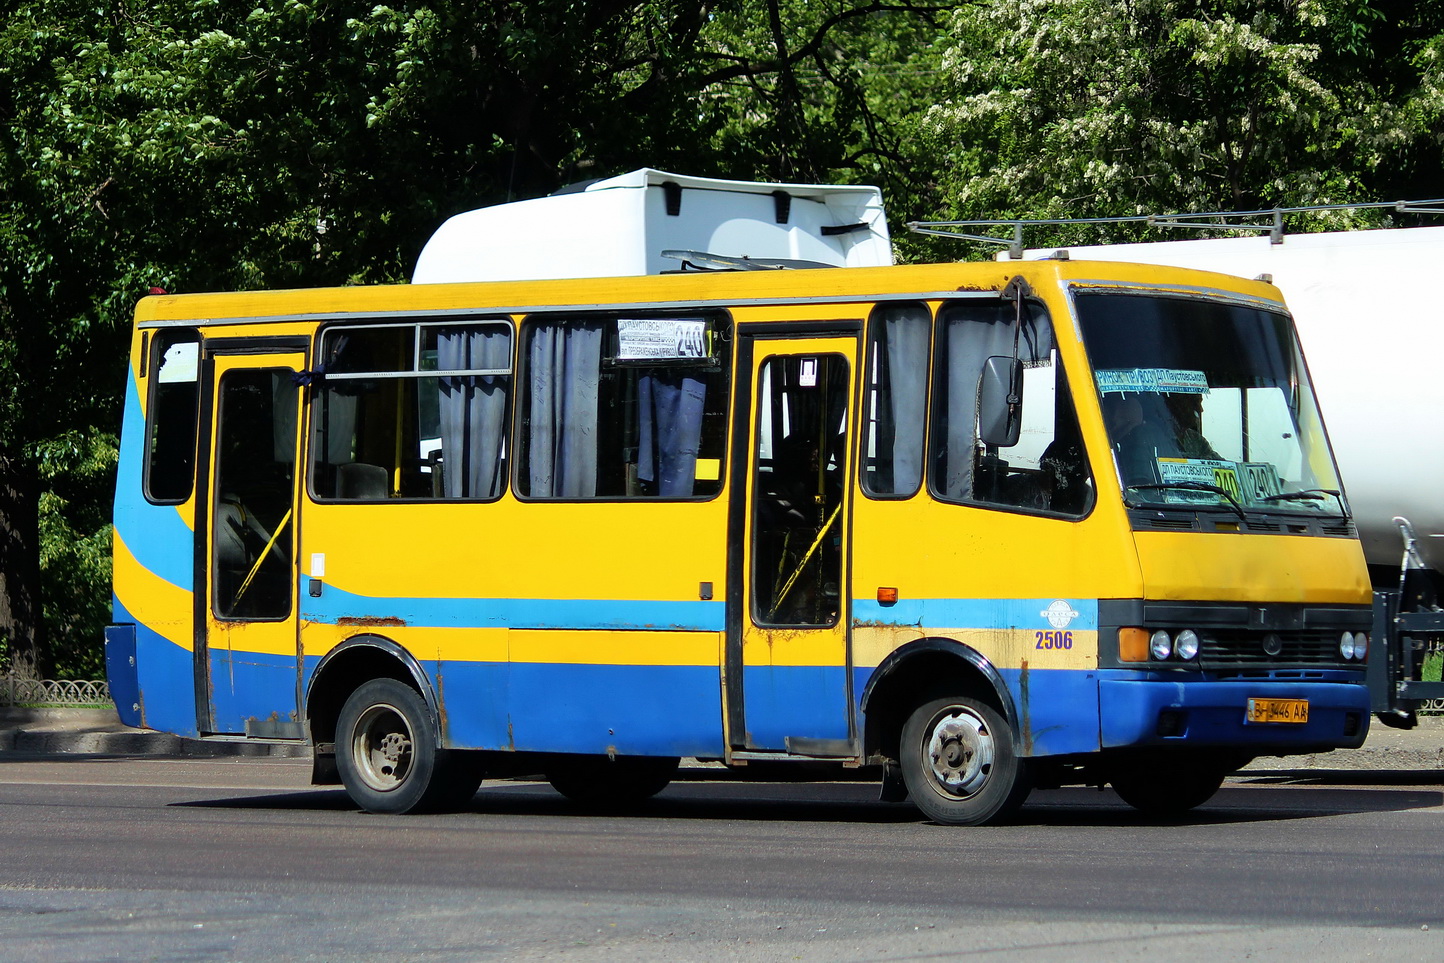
(1258, 801)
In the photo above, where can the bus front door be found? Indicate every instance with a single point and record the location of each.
(246, 651)
(788, 660)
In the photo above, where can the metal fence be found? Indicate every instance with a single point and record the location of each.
(54, 693)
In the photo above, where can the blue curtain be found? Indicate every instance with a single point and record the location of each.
(671, 405)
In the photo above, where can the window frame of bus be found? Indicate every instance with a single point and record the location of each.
(416, 373)
(718, 323)
(937, 406)
(161, 342)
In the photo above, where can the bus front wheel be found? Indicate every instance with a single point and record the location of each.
(960, 763)
(387, 754)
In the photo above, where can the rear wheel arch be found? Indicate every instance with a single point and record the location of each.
(349, 666)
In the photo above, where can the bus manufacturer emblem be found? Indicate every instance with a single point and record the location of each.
(1059, 614)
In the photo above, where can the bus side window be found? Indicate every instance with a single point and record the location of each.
(895, 399)
(412, 411)
(1045, 470)
(171, 426)
(622, 407)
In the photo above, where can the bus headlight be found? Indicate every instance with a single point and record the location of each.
(1354, 645)
(1186, 645)
(1160, 646)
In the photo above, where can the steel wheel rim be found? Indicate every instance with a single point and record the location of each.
(959, 752)
(382, 746)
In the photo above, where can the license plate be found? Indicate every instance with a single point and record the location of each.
(1278, 710)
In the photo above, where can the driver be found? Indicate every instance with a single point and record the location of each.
(1186, 410)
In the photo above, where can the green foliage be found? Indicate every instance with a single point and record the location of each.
(1087, 108)
(78, 469)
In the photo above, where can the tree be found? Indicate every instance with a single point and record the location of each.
(1079, 108)
(203, 145)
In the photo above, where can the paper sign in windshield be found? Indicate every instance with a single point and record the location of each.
(1153, 381)
(1260, 480)
(661, 339)
(1199, 471)
(1248, 482)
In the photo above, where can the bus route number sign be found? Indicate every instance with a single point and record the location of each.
(661, 339)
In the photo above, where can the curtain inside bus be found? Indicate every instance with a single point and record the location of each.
(565, 365)
(671, 404)
(473, 410)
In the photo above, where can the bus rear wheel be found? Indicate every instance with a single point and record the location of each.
(388, 758)
(1168, 790)
(960, 763)
(602, 781)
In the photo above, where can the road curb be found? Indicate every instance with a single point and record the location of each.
(56, 731)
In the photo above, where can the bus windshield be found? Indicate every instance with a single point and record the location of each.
(1208, 405)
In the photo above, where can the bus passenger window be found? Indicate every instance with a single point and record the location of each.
(895, 398)
(171, 448)
(623, 407)
(1046, 470)
(412, 411)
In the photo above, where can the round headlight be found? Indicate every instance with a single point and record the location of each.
(1346, 645)
(1160, 646)
(1186, 647)
(1361, 646)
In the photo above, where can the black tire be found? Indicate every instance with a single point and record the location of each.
(387, 755)
(603, 782)
(960, 764)
(1167, 790)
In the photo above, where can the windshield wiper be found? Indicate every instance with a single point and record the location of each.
(1196, 487)
(1310, 495)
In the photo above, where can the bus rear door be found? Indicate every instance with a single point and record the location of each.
(246, 655)
(788, 659)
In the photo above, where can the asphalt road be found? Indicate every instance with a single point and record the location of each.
(158, 859)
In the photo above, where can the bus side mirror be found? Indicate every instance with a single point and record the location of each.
(1000, 402)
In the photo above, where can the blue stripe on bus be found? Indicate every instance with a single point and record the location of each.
(794, 700)
(155, 534)
(627, 709)
(252, 685)
(671, 615)
(1077, 614)
(677, 710)
(636, 615)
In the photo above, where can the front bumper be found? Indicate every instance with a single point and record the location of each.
(1150, 710)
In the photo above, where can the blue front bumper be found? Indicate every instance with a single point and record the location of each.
(1139, 710)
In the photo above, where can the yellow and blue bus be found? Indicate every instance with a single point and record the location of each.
(979, 528)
